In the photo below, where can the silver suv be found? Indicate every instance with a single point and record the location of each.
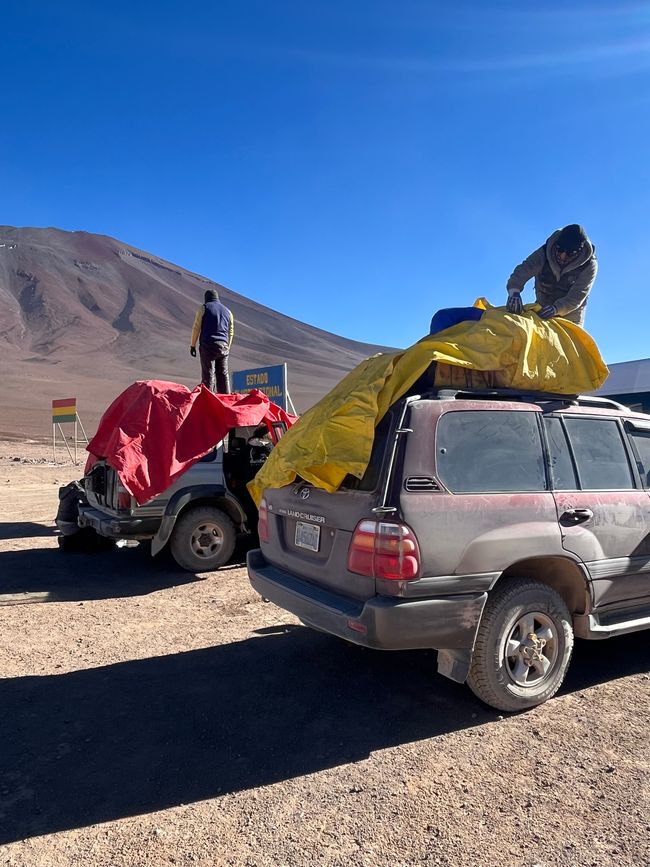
(491, 526)
(199, 516)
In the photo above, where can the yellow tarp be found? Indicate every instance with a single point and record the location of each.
(335, 436)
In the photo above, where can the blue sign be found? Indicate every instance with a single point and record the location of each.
(270, 380)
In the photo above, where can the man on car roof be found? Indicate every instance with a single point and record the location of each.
(214, 326)
(564, 268)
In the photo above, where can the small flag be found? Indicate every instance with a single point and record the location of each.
(64, 410)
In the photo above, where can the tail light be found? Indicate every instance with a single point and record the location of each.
(263, 522)
(384, 550)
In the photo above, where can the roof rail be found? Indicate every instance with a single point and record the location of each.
(504, 394)
(601, 402)
(525, 396)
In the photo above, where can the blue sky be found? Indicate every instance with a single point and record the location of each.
(356, 165)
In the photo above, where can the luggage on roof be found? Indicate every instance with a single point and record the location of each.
(334, 438)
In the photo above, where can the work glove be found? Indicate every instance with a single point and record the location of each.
(514, 304)
(548, 312)
(193, 351)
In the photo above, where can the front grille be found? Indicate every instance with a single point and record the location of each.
(103, 482)
(96, 480)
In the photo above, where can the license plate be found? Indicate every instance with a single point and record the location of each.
(307, 536)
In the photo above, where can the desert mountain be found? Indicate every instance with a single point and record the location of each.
(85, 315)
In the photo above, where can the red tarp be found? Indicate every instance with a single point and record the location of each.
(155, 430)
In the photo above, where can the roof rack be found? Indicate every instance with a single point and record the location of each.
(526, 396)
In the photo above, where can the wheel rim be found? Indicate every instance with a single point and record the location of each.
(206, 540)
(531, 649)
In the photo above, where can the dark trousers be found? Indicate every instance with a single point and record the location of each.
(214, 365)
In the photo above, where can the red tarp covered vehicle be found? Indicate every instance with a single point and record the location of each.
(171, 465)
(155, 430)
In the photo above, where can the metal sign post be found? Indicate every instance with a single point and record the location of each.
(65, 410)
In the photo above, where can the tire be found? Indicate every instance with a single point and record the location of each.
(509, 670)
(203, 539)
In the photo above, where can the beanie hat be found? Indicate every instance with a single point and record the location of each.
(571, 238)
(210, 295)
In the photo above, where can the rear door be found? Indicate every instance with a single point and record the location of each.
(310, 530)
(603, 512)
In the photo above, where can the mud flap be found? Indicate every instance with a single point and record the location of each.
(162, 536)
(454, 664)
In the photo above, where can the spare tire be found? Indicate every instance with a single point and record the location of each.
(70, 498)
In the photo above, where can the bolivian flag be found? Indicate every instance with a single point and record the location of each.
(64, 410)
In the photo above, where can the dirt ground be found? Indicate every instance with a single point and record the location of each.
(152, 717)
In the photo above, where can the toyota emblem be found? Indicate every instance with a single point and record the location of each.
(304, 494)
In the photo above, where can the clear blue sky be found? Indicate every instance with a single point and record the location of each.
(357, 164)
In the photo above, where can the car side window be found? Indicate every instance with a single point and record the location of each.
(641, 443)
(206, 459)
(562, 470)
(600, 454)
(490, 450)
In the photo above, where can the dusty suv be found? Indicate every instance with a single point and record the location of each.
(491, 526)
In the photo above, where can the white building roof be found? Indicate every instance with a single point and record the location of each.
(627, 377)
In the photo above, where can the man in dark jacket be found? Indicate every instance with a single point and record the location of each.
(214, 326)
(564, 269)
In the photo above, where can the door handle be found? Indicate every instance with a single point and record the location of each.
(575, 516)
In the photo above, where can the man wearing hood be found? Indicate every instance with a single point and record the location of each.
(564, 269)
(214, 326)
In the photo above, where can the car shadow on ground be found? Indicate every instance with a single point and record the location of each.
(24, 530)
(57, 576)
(100, 744)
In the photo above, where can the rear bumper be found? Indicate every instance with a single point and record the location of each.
(383, 623)
(117, 526)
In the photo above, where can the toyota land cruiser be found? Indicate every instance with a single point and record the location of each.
(492, 526)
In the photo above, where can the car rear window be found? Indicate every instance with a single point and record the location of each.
(370, 479)
(481, 451)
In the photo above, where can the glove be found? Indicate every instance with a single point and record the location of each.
(193, 351)
(514, 304)
(548, 312)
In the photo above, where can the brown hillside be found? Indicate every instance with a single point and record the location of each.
(85, 315)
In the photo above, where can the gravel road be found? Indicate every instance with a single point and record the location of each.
(153, 717)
